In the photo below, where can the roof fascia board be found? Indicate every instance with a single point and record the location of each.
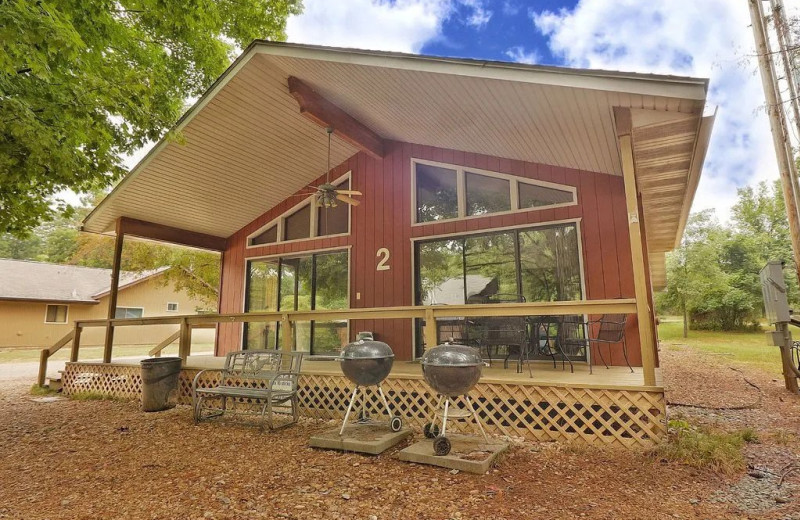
(630, 83)
(48, 300)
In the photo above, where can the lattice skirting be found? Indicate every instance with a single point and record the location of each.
(631, 418)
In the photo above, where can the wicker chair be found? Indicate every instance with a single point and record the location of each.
(611, 332)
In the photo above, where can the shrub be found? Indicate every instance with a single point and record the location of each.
(702, 448)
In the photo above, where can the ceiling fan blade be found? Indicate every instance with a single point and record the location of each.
(349, 192)
(349, 200)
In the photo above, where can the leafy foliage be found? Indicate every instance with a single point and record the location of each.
(713, 277)
(85, 82)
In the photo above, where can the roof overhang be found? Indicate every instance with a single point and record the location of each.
(245, 145)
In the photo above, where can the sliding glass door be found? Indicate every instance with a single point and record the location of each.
(530, 264)
(298, 283)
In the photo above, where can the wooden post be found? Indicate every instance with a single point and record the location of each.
(431, 338)
(643, 311)
(185, 341)
(43, 366)
(287, 334)
(76, 343)
(112, 295)
(789, 375)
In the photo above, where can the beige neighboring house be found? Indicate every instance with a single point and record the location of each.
(39, 303)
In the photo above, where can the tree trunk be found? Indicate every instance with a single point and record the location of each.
(685, 322)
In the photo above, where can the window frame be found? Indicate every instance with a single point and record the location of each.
(414, 288)
(128, 307)
(172, 310)
(286, 256)
(279, 221)
(461, 190)
(66, 314)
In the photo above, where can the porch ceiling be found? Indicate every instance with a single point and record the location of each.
(246, 147)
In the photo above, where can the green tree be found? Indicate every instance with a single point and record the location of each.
(84, 83)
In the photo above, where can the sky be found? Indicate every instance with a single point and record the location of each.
(702, 38)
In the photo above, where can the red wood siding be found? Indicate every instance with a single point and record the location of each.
(384, 220)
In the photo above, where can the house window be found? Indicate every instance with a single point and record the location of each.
(269, 236)
(306, 220)
(443, 192)
(437, 193)
(296, 225)
(537, 263)
(336, 220)
(56, 314)
(487, 194)
(297, 283)
(172, 307)
(533, 196)
(128, 312)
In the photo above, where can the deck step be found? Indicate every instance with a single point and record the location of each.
(54, 382)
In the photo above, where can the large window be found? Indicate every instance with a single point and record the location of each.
(306, 220)
(538, 263)
(309, 282)
(444, 192)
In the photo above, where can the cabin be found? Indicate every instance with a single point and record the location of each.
(40, 301)
(409, 196)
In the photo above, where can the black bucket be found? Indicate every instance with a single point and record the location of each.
(159, 382)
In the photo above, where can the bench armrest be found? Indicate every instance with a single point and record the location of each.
(197, 377)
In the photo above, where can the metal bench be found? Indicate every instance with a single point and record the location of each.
(253, 383)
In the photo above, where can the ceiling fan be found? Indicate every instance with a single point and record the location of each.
(327, 194)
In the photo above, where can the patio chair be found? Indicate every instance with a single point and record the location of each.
(557, 336)
(510, 332)
(611, 332)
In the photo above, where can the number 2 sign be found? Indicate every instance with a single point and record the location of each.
(383, 263)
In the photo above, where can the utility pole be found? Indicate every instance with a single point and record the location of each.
(777, 123)
(784, 44)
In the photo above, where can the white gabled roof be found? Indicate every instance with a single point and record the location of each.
(247, 147)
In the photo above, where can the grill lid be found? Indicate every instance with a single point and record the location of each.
(448, 355)
(367, 349)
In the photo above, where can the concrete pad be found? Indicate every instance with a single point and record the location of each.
(372, 438)
(468, 453)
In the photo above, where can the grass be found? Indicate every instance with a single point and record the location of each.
(748, 348)
(22, 355)
(705, 448)
(94, 396)
(42, 390)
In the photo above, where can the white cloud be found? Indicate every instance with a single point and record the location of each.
(520, 55)
(401, 26)
(480, 15)
(710, 38)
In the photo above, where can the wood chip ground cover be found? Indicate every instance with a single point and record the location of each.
(106, 459)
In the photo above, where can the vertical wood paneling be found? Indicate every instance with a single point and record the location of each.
(384, 220)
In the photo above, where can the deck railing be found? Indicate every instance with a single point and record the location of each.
(288, 319)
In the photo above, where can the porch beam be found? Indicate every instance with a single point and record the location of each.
(162, 233)
(113, 291)
(324, 113)
(623, 122)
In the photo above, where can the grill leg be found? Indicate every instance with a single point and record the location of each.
(477, 419)
(349, 409)
(385, 402)
(444, 415)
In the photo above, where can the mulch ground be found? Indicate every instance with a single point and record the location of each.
(106, 459)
